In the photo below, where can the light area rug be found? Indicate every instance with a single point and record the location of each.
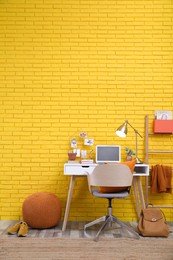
(74, 249)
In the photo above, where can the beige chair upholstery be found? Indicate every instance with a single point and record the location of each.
(110, 175)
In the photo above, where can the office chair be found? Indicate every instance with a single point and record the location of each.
(119, 178)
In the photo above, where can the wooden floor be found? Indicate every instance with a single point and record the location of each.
(74, 230)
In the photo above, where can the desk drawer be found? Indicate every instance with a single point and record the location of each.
(78, 169)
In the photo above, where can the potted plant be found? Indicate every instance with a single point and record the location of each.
(129, 153)
(72, 155)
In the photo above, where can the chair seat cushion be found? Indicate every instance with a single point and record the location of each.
(122, 194)
(131, 165)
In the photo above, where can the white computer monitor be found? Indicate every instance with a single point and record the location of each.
(108, 153)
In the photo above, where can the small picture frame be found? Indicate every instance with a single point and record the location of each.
(83, 154)
(89, 141)
(73, 143)
(83, 134)
(163, 115)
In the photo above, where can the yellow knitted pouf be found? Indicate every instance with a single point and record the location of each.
(41, 210)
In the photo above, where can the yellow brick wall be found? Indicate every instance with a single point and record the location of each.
(69, 66)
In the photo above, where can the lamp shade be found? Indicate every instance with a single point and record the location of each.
(122, 130)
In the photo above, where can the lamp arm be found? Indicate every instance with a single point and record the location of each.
(136, 131)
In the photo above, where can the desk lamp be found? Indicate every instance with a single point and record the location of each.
(122, 132)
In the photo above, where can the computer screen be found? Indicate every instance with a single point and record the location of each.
(108, 153)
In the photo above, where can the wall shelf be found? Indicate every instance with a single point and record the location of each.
(152, 133)
(160, 151)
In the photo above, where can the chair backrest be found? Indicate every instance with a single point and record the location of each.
(110, 175)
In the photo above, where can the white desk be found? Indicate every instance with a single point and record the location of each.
(78, 170)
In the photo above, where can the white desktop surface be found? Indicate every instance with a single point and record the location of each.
(83, 169)
(78, 170)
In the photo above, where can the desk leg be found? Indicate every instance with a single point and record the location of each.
(141, 192)
(136, 196)
(138, 192)
(69, 198)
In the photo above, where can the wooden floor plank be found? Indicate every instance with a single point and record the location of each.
(75, 229)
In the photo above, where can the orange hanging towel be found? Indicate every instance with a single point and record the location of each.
(161, 177)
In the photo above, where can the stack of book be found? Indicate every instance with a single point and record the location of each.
(73, 161)
(85, 161)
